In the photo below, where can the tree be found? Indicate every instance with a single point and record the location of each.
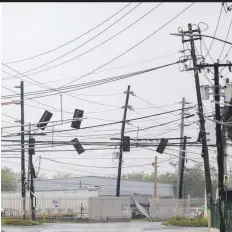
(8, 179)
(194, 180)
(63, 176)
(41, 176)
(138, 176)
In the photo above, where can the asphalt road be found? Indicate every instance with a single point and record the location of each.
(103, 227)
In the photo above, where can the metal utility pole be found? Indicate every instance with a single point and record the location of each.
(155, 178)
(182, 169)
(23, 174)
(121, 144)
(181, 147)
(202, 121)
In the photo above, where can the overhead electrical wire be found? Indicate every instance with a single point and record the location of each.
(62, 63)
(87, 84)
(211, 44)
(225, 39)
(112, 123)
(62, 45)
(59, 91)
(134, 46)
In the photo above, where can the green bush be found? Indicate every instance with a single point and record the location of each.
(193, 222)
(20, 222)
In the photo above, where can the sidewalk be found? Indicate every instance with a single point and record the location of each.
(214, 230)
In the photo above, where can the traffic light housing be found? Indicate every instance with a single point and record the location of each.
(126, 143)
(77, 123)
(78, 146)
(31, 147)
(163, 143)
(44, 120)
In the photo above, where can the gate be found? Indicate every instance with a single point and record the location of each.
(215, 219)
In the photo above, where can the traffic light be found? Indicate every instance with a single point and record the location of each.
(31, 147)
(44, 120)
(163, 143)
(77, 114)
(126, 143)
(78, 146)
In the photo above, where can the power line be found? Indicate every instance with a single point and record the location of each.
(137, 44)
(219, 18)
(87, 84)
(60, 46)
(88, 41)
(225, 39)
(112, 123)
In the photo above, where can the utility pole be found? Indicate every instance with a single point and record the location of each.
(224, 133)
(205, 152)
(32, 173)
(121, 144)
(220, 155)
(23, 174)
(155, 178)
(182, 169)
(219, 138)
(181, 147)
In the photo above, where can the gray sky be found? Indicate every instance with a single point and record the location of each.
(29, 29)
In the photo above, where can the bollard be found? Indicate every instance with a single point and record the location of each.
(43, 217)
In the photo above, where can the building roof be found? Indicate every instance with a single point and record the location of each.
(107, 186)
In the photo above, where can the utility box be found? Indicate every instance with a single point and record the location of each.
(109, 208)
(204, 92)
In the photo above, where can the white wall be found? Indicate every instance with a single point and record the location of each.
(109, 207)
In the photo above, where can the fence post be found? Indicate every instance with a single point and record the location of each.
(189, 206)
(209, 220)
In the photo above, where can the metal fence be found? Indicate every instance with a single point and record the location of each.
(215, 218)
(165, 208)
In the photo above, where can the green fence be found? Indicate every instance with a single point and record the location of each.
(215, 219)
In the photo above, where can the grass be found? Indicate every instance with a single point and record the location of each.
(20, 222)
(193, 222)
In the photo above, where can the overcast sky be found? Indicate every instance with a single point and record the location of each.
(29, 29)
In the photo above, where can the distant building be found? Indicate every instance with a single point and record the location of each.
(106, 185)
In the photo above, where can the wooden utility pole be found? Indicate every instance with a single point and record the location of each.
(121, 143)
(219, 138)
(203, 136)
(23, 174)
(31, 152)
(181, 147)
(155, 178)
(182, 168)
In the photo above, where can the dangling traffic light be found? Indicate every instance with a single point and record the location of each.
(76, 123)
(126, 143)
(31, 147)
(44, 120)
(78, 146)
(163, 143)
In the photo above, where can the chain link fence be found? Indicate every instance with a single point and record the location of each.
(215, 218)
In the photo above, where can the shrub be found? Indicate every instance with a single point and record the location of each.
(20, 222)
(193, 222)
